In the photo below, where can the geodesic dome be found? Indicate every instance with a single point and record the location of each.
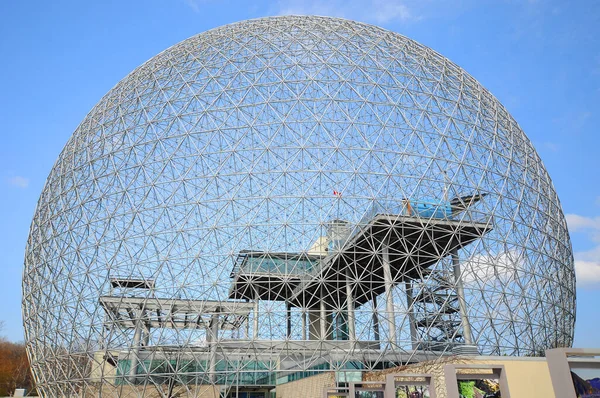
(284, 196)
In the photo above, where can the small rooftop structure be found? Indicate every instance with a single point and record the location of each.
(270, 276)
(131, 283)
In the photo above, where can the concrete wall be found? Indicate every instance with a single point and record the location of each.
(434, 368)
(101, 368)
(526, 377)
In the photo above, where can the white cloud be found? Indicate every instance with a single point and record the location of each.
(588, 272)
(587, 263)
(579, 223)
(551, 146)
(195, 5)
(374, 11)
(485, 268)
(18, 181)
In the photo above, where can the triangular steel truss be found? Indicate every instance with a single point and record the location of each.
(286, 196)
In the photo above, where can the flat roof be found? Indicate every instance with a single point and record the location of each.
(415, 243)
(132, 283)
(174, 313)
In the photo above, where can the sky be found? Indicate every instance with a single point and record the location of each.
(540, 58)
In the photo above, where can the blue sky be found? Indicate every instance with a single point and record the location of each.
(540, 58)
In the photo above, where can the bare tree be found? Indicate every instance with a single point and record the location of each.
(14, 368)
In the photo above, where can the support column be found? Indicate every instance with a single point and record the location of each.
(288, 315)
(411, 314)
(352, 390)
(146, 335)
(247, 331)
(350, 308)
(247, 324)
(135, 349)
(212, 339)
(389, 299)
(460, 293)
(322, 319)
(304, 324)
(314, 331)
(376, 321)
(255, 331)
(103, 333)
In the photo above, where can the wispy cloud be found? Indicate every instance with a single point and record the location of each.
(587, 263)
(579, 223)
(19, 182)
(374, 11)
(573, 122)
(551, 146)
(481, 269)
(588, 272)
(196, 5)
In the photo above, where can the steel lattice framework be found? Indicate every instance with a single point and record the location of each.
(282, 196)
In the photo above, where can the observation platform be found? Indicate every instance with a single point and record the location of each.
(411, 244)
(174, 313)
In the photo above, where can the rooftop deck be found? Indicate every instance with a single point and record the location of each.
(413, 244)
(174, 313)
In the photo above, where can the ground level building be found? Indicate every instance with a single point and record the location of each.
(562, 373)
